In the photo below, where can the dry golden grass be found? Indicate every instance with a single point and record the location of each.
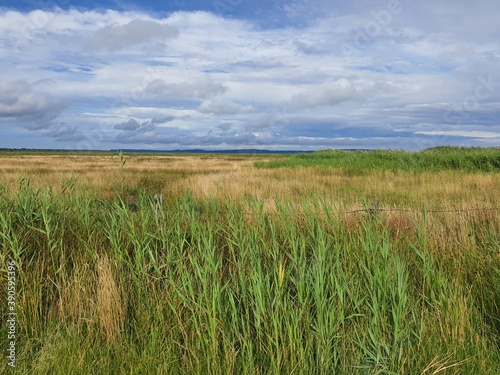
(75, 295)
(110, 307)
(236, 178)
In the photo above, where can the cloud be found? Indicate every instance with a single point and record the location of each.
(461, 133)
(136, 32)
(129, 125)
(20, 101)
(201, 88)
(329, 94)
(193, 78)
(133, 125)
(65, 133)
(225, 126)
(162, 120)
(223, 107)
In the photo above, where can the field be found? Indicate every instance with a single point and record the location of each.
(323, 263)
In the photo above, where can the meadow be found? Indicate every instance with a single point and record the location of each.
(325, 263)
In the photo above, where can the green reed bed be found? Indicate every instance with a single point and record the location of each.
(220, 287)
(433, 159)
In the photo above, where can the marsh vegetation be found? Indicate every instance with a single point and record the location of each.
(254, 264)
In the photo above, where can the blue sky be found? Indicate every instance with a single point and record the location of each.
(219, 74)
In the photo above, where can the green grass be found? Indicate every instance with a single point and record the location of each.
(434, 159)
(204, 287)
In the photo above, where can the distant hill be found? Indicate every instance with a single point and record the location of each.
(202, 151)
(183, 151)
(146, 151)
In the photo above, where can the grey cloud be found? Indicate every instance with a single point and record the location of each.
(298, 138)
(136, 32)
(225, 126)
(133, 125)
(65, 133)
(148, 134)
(162, 120)
(20, 102)
(249, 139)
(327, 95)
(202, 88)
(128, 125)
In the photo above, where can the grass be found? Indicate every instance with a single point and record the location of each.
(433, 159)
(238, 283)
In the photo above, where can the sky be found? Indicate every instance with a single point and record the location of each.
(239, 74)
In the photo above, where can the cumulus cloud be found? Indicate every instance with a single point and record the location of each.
(136, 32)
(20, 101)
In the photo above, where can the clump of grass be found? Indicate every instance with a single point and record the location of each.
(110, 308)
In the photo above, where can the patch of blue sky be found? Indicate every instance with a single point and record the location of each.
(454, 140)
(70, 69)
(409, 64)
(267, 14)
(434, 66)
(171, 103)
(57, 69)
(378, 69)
(215, 71)
(237, 8)
(336, 131)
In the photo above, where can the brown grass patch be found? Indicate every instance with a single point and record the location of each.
(110, 306)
